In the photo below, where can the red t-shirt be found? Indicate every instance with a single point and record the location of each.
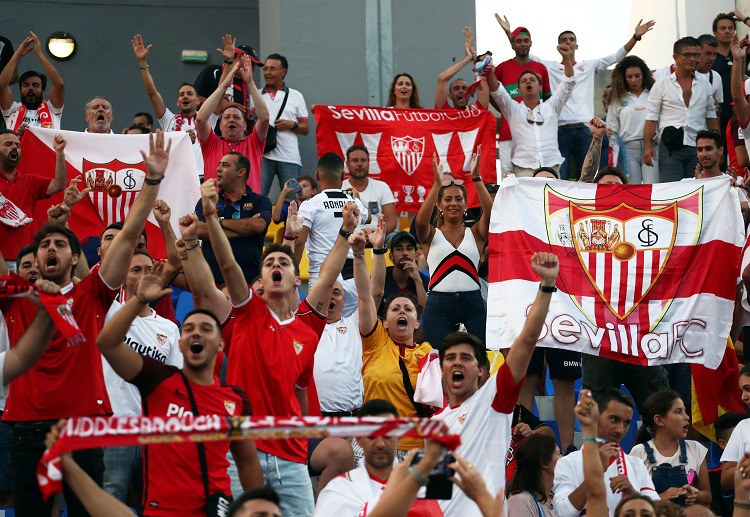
(25, 190)
(66, 381)
(215, 147)
(508, 73)
(267, 361)
(172, 479)
(734, 137)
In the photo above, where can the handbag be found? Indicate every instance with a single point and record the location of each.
(217, 504)
(271, 134)
(671, 137)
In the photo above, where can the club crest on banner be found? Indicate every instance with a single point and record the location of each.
(408, 152)
(623, 252)
(114, 186)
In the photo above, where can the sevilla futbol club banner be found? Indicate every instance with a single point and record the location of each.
(112, 167)
(648, 273)
(401, 143)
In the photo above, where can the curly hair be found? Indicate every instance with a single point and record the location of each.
(413, 101)
(620, 85)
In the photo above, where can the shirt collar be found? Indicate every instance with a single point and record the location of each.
(66, 289)
(284, 88)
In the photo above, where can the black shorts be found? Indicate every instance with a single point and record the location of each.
(562, 364)
(312, 444)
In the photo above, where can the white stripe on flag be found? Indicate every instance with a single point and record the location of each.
(615, 293)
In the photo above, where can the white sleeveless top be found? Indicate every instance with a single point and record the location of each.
(453, 269)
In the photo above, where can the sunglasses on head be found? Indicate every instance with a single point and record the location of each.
(450, 183)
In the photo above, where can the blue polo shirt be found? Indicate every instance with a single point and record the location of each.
(247, 250)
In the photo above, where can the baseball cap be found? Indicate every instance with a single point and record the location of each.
(401, 236)
(518, 31)
(250, 51)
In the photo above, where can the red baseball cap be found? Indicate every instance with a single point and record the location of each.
(518, 31)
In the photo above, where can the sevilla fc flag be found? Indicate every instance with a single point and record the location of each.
(648, 273)
(112, 167)
(401, 143)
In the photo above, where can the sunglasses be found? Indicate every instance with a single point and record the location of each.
(531, 118)
(450, 183)
(695, 55)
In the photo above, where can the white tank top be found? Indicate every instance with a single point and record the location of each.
(453, 269)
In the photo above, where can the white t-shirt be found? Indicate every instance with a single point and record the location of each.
(287, 145)
(696, 453)
(738, 443)
(151, 336)
(3, 389)
(31, 117)
(4, 347)
(627, 116)
(338, 366)
(322, 214)
(377, 194)
(569, 476)
(484, 423)
(168, 122)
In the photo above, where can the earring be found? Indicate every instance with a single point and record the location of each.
(440, 213)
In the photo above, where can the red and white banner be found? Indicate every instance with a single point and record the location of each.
(648, 273)
(401, 143)
(112, 166)
(91, 432)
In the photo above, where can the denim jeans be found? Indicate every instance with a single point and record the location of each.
(121, 466)
(574, 142)
(444, 311)
(6, 432)
(27, 449)
(284, 170)
(676, 165)
(291, 481)
(639, 172)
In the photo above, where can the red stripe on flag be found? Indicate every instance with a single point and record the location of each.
(460, 261)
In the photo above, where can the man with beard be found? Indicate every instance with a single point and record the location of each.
(710, 150)
(68, 380)
(376, 195)
(32, 110)
(187, 102)
(455, 91)
(22, 191)
(508, 72)
(233, 127)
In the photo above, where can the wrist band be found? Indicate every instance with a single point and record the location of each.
(476, 179)
(547, 288)
(636, 37)
(345, 233)
(143, 67)
(229, 61)
(189, 239)
(153, 181)
(746, 19)
(380, 251)
(209, 214)
(290, 237)
(192, 247)
(359, 255)
(593, 439)
(745, 505)
(422, 481)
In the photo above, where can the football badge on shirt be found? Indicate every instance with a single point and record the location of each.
(161, 339)
(247, 207)
(342, 330)
(298, 347)
(230, 406)
(462, 418)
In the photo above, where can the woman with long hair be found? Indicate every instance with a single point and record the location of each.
(631, 82)
(453, 257)
(677, 466)
(530, 490)
(403, 92)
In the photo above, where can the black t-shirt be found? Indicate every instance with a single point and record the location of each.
(391, 288)
(6, 52)
(723, 65)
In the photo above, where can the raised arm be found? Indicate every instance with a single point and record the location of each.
(6, 76)
(444, 79)
(261, 110)
(279, 206)
(125, 361)
(547, 267)
(202, 127)
(425, 230)
(587, 413)
(72, 197)
(34, 341)
(741, 106)
(198, 273)
(141, 53)
(593, 156)
(57, 92)
(485, 199)
(116, 262)
(366, 307)
(505, 26)
(320, 294)
(163, 215)
(640, 30)
(61, 170)
(377, 278)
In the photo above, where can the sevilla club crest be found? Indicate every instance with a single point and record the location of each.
(617, 255)
(408, 152)
(230, 406)
(114, 187)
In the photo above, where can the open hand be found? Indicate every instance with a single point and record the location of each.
(72, 195)
(437, 171)
(150, 286)
(643, 28)
(25, 48)
(139, 49)
(158, 156)
(504, 23)
(227, 47)
(294, 222)
(377, 236)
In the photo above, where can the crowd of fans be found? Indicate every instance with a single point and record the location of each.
(379, 301)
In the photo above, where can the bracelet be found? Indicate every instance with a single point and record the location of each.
(192, 247)
(221, 223)
(745, 505)
(422, 481)
(295, 126)
(182, 255)
(290, 237)
(746, 19)
(345, 233)
(359, 255)
(380, 251)
(594, 439)
(636, 37)
(209, 214)
(229, 61)
(476, 179)
(153, 181)
(189, 239)
(547, 288)
(143, 67)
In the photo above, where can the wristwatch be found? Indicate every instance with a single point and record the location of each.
(295, 126)
(476, 179)
(547, 288)
(344, 233)
(380, 251)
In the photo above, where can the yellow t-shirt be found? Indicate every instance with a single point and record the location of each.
(382, 376)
